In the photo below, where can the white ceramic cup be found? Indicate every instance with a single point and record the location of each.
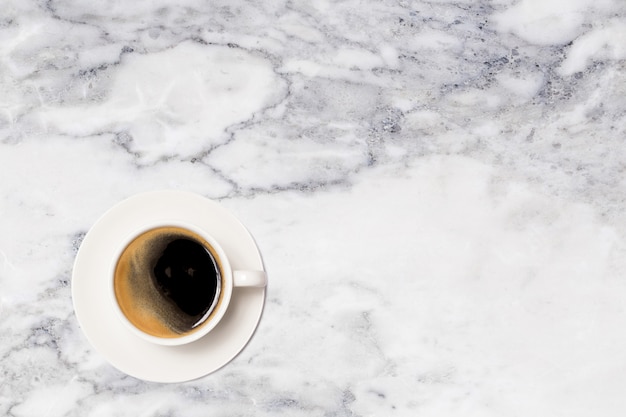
(229, 279)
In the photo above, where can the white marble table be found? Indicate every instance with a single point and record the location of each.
(438, 190)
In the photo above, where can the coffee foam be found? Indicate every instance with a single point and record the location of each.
(135, 290)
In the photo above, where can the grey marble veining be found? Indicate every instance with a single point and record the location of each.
(437, 188)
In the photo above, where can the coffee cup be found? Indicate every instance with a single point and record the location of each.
(171, 282)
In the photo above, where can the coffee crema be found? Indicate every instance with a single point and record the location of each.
(167, 281)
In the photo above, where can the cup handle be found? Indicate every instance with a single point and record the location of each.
(249, 279)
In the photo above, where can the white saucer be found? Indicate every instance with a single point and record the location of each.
(113, 340)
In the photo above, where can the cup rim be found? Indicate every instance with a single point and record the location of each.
(220, 307)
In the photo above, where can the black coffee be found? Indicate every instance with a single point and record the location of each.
(168, 281)
(186, 275)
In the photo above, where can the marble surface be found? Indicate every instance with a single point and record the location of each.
(437, 188)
